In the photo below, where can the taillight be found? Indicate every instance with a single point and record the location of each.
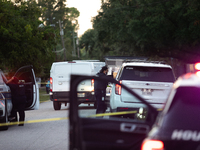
(197, 69)
(152, 145)
(198, 73)
(197, 66)
(92, 84)
(51, 84)
(118, 89)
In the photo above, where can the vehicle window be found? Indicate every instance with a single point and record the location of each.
(138, 73)
(88, 104)
(184, 110)
(25, 75)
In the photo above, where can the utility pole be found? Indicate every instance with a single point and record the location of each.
(74, 52)
(63, 43)
(77, 43)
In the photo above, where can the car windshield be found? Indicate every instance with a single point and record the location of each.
(138, 73)
(184, 110)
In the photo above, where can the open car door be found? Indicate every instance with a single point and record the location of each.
(26, 75)
(124, 130)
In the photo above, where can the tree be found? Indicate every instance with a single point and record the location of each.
(55, 11)
(22, 41)
(150, 28)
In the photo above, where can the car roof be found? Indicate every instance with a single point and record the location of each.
(188, 80)
(146, 64)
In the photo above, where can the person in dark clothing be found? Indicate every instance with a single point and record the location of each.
(18, 99)
(100, 91)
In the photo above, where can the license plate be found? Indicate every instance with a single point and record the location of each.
(81, 94)
(147, 91)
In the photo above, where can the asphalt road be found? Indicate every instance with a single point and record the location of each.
(42, 135)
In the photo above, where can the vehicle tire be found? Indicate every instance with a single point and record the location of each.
(4, 119)
(56, 105)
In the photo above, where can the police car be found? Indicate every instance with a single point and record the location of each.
(178, 126)
(24, 74)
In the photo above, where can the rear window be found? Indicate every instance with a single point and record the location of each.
(156, 74)
(184, 111)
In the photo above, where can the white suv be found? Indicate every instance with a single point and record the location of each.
(153, 81)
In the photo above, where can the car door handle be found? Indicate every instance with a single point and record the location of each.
(127, 127)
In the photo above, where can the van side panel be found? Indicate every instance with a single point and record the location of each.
(81, 68)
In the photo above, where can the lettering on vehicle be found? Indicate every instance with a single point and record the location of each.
(185, 135)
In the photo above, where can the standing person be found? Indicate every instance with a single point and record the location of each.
(100, 91)
(48, 86)
(18, 98)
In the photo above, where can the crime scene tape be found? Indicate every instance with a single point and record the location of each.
(118, 113)
(113, 114)
(32, 121)
(64, 118)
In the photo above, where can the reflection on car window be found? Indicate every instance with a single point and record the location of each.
(185, 108)
(147, 74)
(134, 109)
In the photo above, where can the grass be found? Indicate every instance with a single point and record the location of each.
(43, 95)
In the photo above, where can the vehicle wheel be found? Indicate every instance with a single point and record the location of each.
(56, 105)
(4, 120)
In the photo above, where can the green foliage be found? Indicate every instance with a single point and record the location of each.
(22, 42)
(54, 12)
(169, 28)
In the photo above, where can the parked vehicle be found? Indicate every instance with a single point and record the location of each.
(25, 74)
(151, 80)
(178, 126)
(90, 131)
(60, 81)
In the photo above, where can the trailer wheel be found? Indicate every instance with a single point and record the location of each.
(56, 105)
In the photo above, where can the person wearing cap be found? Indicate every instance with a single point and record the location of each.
(100, 91)
(18, 99)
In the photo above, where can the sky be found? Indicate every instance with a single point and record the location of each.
(87, 9)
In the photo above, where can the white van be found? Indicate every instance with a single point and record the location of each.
(60, 81)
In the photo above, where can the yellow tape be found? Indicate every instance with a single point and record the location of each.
(64, 118)
(113, 114)
(43, 83)
(32, 121)
(159, 109)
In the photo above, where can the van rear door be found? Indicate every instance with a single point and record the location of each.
(61, 78)
(26, 75)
